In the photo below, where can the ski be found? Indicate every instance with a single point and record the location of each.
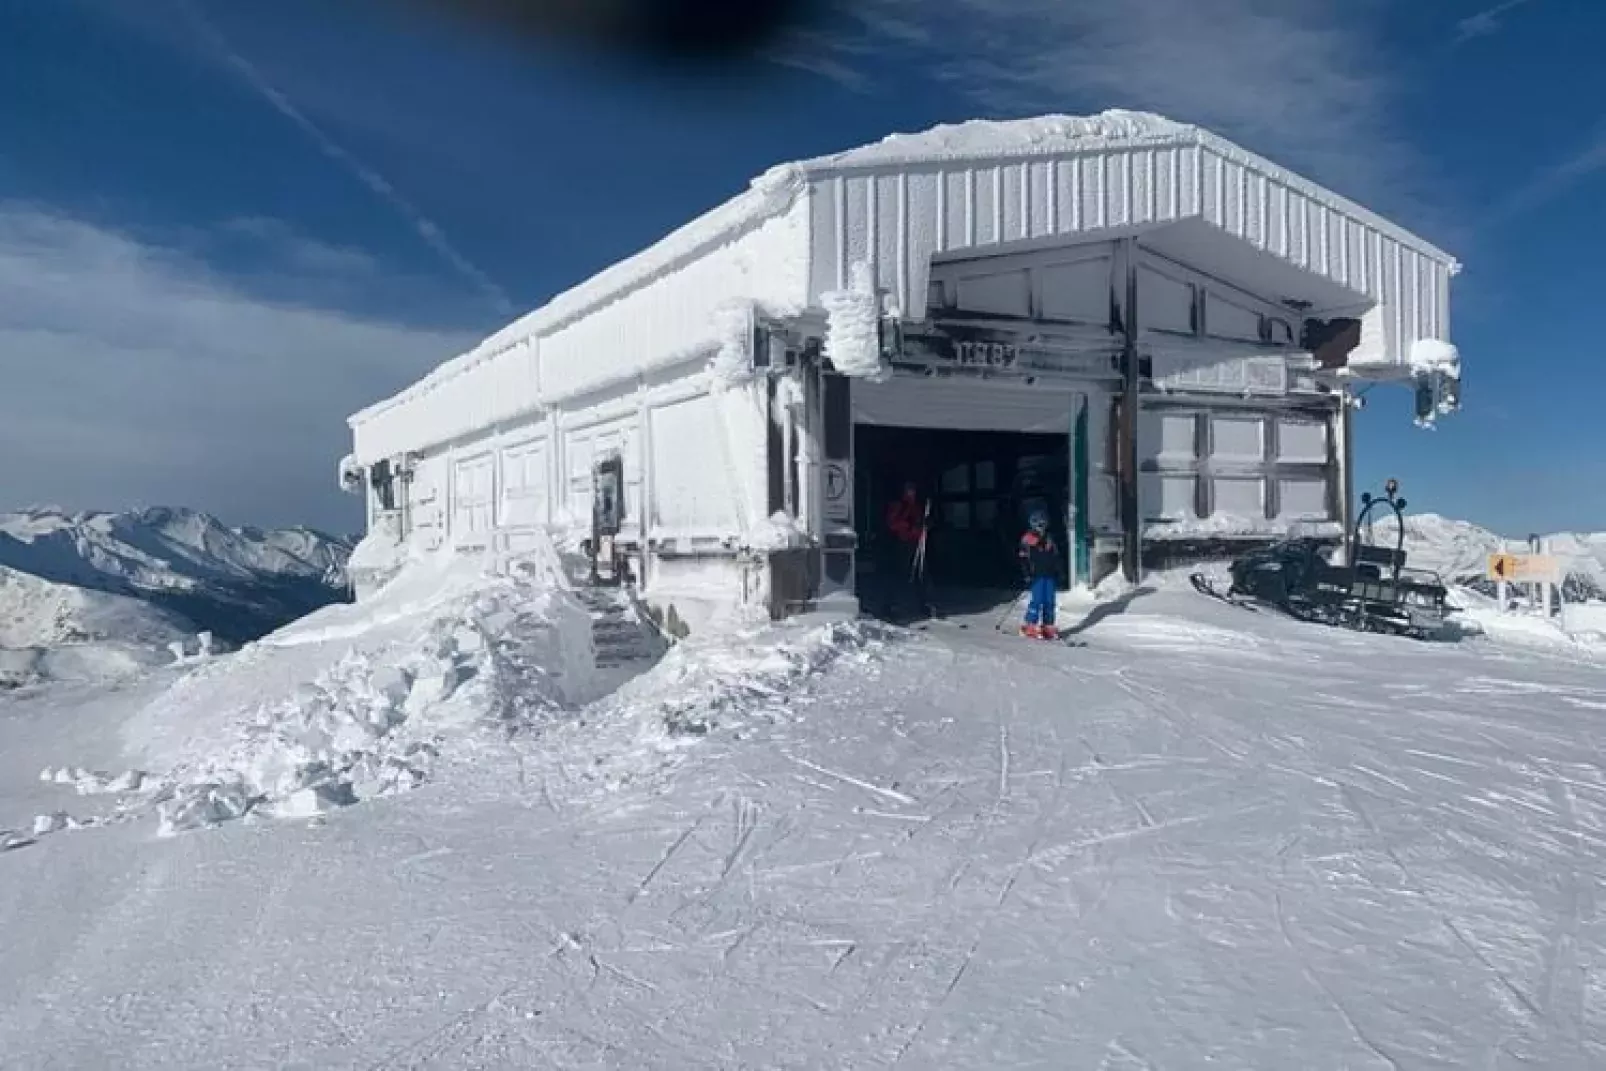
(1203, 585)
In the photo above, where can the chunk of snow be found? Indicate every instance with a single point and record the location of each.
(313, 801)
(1585, 621)
(777, 532)
(1430, 355)
(733, 330)
(1231, 526)
(45, 824)
(981, 137)
(853, 327)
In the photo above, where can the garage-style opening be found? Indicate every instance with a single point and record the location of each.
(982, 487)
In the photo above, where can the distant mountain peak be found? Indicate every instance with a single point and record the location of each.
(237, 582)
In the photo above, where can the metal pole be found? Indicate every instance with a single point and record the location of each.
(1501, 593)
(1346, 461)
(1131, 513)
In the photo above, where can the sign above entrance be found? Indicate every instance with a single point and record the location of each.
(976, 350)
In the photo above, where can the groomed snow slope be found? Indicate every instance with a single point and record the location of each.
(1212, 837)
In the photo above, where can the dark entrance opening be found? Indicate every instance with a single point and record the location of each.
(982, 486)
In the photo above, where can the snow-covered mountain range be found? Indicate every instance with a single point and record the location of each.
(1459, 552)
(198, 573)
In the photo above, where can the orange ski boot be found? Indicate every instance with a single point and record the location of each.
(1048, 632)
(1031, 632)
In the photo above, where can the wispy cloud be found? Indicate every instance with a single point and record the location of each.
(1486, 22)
(427, 229)
(135, 374)
(1305, 81)
(1551, 181)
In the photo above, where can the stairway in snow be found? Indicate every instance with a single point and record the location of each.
(622, 640)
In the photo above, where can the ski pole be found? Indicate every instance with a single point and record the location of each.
(998, 626)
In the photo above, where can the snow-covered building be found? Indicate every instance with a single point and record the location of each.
(1131, 319)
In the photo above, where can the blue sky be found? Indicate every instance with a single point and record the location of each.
(224, 225)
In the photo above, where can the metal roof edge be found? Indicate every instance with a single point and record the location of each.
(830, 166)
(1316, 191)
(1183, 134)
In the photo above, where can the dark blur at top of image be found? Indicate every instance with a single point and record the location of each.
(692, 34)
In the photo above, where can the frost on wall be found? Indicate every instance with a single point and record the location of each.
(733, 330)
(852, 327)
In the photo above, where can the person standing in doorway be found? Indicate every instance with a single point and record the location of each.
(906, 525)
(1040, 568)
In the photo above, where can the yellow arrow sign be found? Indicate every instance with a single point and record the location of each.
(1538, 568)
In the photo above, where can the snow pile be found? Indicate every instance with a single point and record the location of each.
(777, 532)
(94, 782)
(355, 703)
(237, 582)
(703, 686)
(1431, 355)
(378, 557)
(728, 683)
(1232, 526)
(980, 137)
(853, 327)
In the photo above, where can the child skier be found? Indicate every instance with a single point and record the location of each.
(1040, 567)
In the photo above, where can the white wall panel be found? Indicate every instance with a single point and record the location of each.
(1169, 497)
(1301, 441)
(427, 500)
(1302, 500)
(473, 497)
(524, 484)
(1238, 439)
(692, 490)
(1240, 497)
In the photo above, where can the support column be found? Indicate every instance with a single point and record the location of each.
(1131, 513)
(1346, 466)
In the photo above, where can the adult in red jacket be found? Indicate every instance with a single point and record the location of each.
(906, 526)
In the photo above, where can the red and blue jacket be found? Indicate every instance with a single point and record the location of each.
(1039, 555)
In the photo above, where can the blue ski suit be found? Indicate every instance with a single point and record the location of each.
(1040, 565)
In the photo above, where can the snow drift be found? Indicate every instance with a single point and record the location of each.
(452, 656)
(239, 583)
(357, 702)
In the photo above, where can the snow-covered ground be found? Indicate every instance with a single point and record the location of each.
(1211, 837)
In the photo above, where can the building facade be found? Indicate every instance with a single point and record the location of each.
(1131, 321)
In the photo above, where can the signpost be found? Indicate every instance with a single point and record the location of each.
(1524, 568)
(1541, 572)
